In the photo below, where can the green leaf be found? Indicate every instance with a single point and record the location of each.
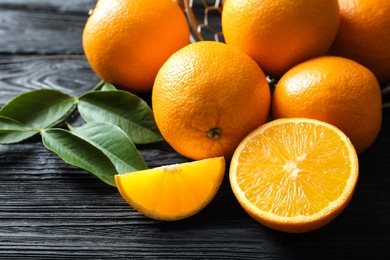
(80, 153)
(123, 109)
(12, 131)
(108, 86)
(38, 109)
(114, 143)
(104, 86)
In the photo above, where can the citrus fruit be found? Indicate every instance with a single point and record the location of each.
(279, 34)
(126, 42)
(172, 192)
(364, 35)
(294, 174)
(207, 97)
(335, 90)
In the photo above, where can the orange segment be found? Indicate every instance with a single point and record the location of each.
(294, 175)
(172, 192)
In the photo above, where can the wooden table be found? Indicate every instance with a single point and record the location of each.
(51, 210)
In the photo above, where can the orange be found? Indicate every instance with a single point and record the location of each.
(172, 192)
(126, 42)
(279, 34)
(294, 174)
(335, 90)
(207, 97)
(364, 35)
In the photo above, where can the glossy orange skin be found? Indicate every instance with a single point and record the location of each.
(279, 34)
(364, 35)
(126, 42)
(207, 97)
(336, 90)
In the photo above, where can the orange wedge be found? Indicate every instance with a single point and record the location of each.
(172, 192)
(294, 175)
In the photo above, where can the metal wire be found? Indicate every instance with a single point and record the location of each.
(386, 91)
(204, 18)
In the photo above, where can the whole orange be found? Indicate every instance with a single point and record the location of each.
(207, 97)
(364, 35)
(126, 42)
(279, 34)
(336, 90)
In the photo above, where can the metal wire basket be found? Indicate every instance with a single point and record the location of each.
(204, 19)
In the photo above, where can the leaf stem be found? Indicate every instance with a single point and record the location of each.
(73, 109)
(69, 126)
(98, 86)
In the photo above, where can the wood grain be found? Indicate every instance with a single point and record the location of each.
(70, 74)
(51, 210)
(43, 27)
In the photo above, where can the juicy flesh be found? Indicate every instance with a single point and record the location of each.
(293, 170)
(173, 190)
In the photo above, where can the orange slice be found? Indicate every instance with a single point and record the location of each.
(172, 192)
(294, 175)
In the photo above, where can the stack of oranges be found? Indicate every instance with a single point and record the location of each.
(212, 99)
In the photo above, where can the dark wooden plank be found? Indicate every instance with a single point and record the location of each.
(43, 26)
(70, 74)
(51, 210)
(54, 6)
(52, 29)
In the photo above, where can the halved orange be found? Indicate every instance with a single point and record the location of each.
(172, 192)
(294, 174)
